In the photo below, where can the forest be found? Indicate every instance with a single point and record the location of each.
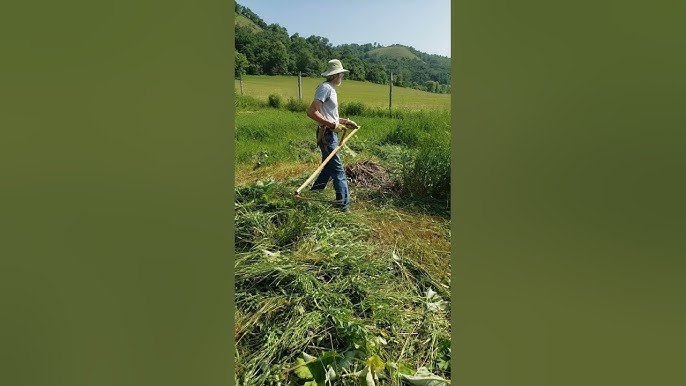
(268, 49)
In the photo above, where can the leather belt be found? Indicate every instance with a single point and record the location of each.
(322, 131)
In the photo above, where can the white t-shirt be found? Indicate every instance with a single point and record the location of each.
(327, 94)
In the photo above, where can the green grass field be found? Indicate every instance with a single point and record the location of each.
(324, 297)
(371, 94)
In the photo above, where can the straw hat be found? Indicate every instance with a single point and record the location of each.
(333, 67)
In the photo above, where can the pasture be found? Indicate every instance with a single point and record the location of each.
(370, 94)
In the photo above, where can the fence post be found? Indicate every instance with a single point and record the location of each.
(390, 97)
(300, 86)
(241, 81)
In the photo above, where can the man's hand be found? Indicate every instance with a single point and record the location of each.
(351, 124)
(340, 128)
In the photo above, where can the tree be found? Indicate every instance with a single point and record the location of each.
(272, 51)
(277, 59)
(241, 64)
(355, 66)
(431, 86)
(376, 74)
(303, 58)
(320, 47)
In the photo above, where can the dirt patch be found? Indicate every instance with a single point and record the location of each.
(368, 174)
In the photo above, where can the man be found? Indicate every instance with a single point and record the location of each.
(324, 111)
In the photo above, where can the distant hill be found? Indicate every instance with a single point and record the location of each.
(243, 21)
(268, 49)
(393, 52)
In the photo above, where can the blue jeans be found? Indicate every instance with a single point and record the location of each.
(333, 170)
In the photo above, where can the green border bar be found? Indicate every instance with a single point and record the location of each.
(568, 222)
(116, 193)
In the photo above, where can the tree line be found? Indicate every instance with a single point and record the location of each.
(270, 50)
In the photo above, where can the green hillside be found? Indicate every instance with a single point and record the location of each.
(393, 52)
(243, 21)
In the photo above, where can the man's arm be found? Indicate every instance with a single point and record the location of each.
(315, 115)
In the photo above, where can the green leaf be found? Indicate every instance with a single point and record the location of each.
(404, 369)
(375, 364)
(331, 374)
(310, 367)
(366, 377)
(308, 358)
(302, 371)
(424, 377)
(349, 358)
(433, 301)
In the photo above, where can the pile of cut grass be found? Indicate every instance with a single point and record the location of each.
(315, 287)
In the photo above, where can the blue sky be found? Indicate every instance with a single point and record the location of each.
(422, 24)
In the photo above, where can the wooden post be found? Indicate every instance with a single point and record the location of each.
(300, 86)
(390, 97)
(241, 81)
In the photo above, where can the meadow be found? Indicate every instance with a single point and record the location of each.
(371, 94)
(324, 297)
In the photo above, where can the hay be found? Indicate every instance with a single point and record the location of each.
(370, 174)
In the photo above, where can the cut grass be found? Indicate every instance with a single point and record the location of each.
(309, 279)
(420, 237)
(248, 174)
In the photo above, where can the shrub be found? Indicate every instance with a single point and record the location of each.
(275, 101)
(296, 106)
(353, 108)
(244, 102)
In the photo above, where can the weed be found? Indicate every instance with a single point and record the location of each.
(352, 109)
(296, 106)
(428, 174)
(275, 101)
(248, 102)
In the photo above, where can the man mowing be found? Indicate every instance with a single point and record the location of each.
(324, 111)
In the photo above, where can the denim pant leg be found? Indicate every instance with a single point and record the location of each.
(340, 182)
(325, 175)
(333, 170)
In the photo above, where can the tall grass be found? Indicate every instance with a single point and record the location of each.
(421, 129)
(427, 174)
(270, 136)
